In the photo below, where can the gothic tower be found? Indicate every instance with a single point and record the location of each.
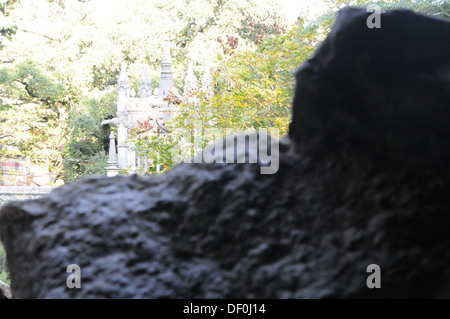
(146, 107)
(145, 89)
(166, 83)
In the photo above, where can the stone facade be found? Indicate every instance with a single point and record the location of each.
(147, 106)
(8, 193)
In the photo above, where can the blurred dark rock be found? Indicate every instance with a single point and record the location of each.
(363, 179)
(383, 91)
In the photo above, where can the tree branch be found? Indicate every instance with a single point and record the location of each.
(40, 34)
(31, 93)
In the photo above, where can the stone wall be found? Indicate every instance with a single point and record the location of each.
(8, 193)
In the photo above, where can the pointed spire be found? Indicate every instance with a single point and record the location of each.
(123, 73)
(166, 83)
(123, 89)
(166, 57)
(124, 82)
(145, 89)
(112, 169)
(190, 82)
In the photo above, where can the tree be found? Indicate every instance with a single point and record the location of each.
(65, 56)
(65, 59)
(254, 85)
(34, 115)
(253, 90)
(7, 28)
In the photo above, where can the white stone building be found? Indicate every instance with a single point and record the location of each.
(147, 106)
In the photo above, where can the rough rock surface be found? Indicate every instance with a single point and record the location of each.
(363, 179)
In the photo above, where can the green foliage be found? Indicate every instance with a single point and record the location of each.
(7, 28)
(84, 152)
(253, 89)
(34, 115)
(96, 164)
(254, 85)
(65, 60)
(31, 82)
(4, 273)
(159, 150)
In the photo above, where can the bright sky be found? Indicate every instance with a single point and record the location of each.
(292, 8)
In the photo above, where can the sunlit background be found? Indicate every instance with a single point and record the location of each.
(293, 8)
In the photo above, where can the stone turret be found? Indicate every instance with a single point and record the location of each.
(145, 89)
(147, 106)
(112, 168)
(166, 83)
(123, 94)
(123, 89)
